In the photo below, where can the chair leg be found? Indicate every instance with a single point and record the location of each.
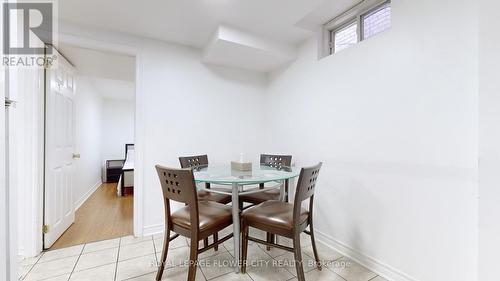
(313, 242)
(205, 242)
(298, 257)
(286, 190)
(216, 238)
(193, 260)
(164, 253)
(269, 240)
(244, 248)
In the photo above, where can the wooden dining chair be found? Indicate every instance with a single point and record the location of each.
(275, 161)
(203, 195)
(200, 161)
(285, 219)
(197, 220)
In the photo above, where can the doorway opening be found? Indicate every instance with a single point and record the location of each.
(89, 147)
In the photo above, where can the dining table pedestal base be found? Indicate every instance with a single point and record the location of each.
(236, 226)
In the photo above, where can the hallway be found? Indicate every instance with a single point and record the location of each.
(103, 216)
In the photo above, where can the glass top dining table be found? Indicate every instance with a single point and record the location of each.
(223, 174)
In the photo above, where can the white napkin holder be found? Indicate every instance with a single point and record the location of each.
(241, 166)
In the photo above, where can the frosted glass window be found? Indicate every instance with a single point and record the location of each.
(377, 21)
(345, 37)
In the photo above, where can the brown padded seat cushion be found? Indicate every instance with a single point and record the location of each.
(273, 213)
(204, 195)
(256, 198)
(212, 215)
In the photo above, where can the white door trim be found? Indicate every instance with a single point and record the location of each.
(139, 149)
(30, 109)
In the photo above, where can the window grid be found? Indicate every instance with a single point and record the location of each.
(345, 37)
(368, 23)
(376, 21)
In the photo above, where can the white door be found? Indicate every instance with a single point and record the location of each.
(59, 149)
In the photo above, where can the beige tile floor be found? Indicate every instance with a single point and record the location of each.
(130, 258)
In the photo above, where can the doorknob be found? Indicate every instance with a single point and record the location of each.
(76, 155)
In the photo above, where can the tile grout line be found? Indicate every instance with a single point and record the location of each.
(201, 270)
(77, 260)
(232, 272)
(302, 250)
(249, 276)
(331, 270)
(213, 256)
(154, 248)
(32, 266)
(202, 273)
(94, 267)
(199, 267)
(154, 251)
(103, 249)
(42, 262)
(117, 258)
(130, 278)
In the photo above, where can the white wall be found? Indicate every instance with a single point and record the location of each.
(89, 116)
(394, 119)
(489, 137)
(192, 108)
(117, 126)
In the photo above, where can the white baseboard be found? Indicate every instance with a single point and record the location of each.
(371, 263)
(153, 229)
(86, 196)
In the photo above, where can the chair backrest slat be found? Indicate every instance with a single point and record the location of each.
(276, 161)
(177, 184)
(306, 186)
(193, 161)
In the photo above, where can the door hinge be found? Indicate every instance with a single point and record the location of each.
(45, 229)
(9, 102)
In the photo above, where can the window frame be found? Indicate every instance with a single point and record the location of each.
(370, 12)
(340, 28)
(355, 14)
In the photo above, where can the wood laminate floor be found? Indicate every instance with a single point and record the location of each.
(103, 216)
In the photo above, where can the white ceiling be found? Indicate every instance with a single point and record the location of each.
(260, 35)
(238, 48)
(325, 12)
(192, 22)
(114, 89)
(100, 64)
(112, 75)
